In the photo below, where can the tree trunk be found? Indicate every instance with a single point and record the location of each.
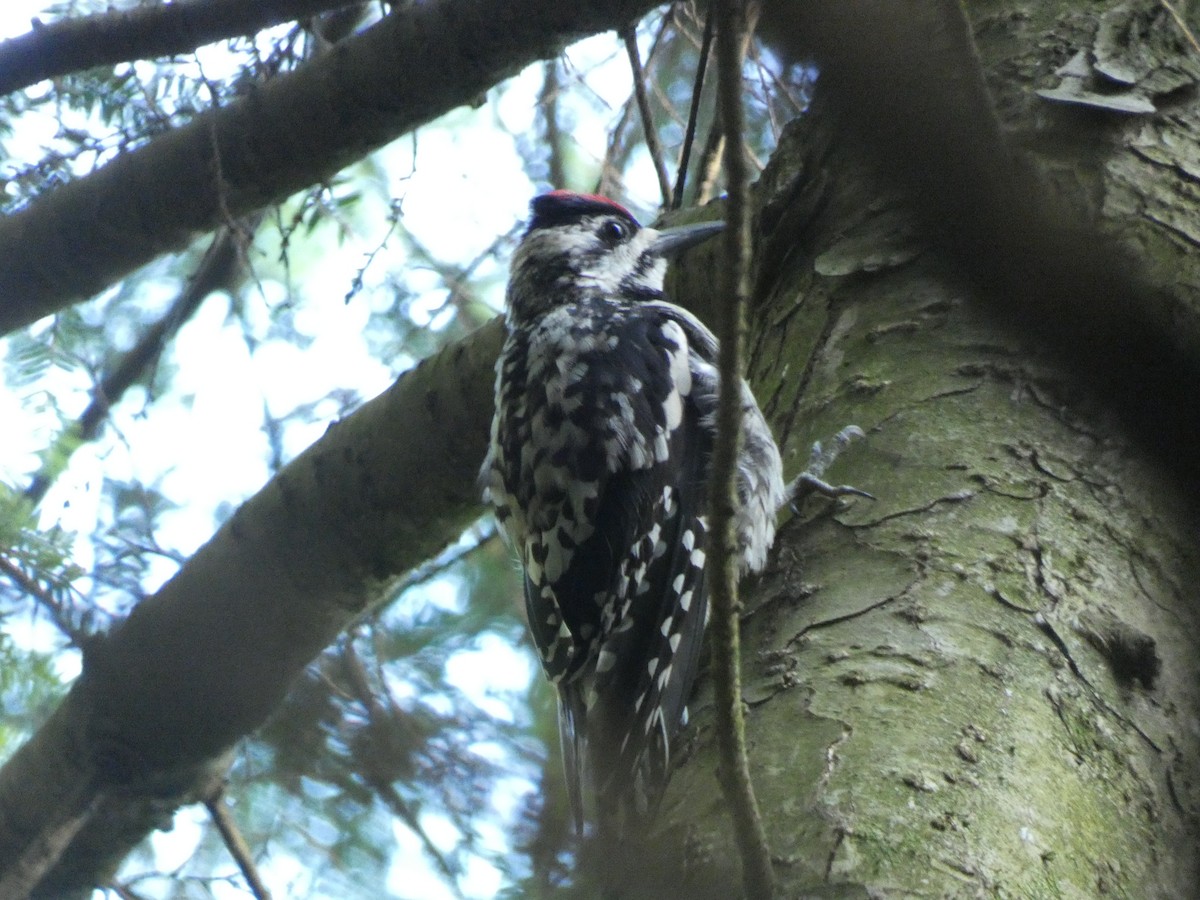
(984, 683)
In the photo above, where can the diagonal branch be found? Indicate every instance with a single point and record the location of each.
(689, 137)
(551, 131)
(59, 611)
(619, 146)
(217, 270)
(649, 131)
(236, 844)
(377, 718)
(204, 661)
(71, 45)
(421, 61)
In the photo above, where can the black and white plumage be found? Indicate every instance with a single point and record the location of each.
(597, 470)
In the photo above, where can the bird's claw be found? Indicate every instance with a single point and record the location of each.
(810, 481)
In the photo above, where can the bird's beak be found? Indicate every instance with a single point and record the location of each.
(671, 241)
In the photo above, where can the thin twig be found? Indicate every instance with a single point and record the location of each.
(124, 891)
(444, 561)
(757, 875)
(629, 36)
(1183, 26)
(400, 808)
(548, 103)
(236, 844)
(457, 279)
(217, 270)
(694, 113)
(710, 161)
(782, 87)
(378, 713)
(616, 151)
(57, 610)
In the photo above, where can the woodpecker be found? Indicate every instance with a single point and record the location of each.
(597, 471)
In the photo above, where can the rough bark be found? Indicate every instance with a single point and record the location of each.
(909, 96)
(298, 130)
(986, 682)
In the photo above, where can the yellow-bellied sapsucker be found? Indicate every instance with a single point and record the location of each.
(597, 469)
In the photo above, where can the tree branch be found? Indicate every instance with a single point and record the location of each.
(619, 146)
(22, 874)
(757, 876)
(204, 661)
(236, 844)
(628, 36)
(551, 132)
(299, 129)
(689, 137)
(59, 611)
(71, 45)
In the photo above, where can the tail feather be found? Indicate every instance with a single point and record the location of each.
(572, 714)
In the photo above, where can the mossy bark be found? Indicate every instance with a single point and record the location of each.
(987, 681)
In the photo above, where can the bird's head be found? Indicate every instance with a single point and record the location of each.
(580, 246)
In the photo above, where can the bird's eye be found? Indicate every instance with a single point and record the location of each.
(613, 231)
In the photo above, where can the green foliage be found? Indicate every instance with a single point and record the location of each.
(391, 740)
(29, 687)
(106, 110)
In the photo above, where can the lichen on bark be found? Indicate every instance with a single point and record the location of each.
(984, 682)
